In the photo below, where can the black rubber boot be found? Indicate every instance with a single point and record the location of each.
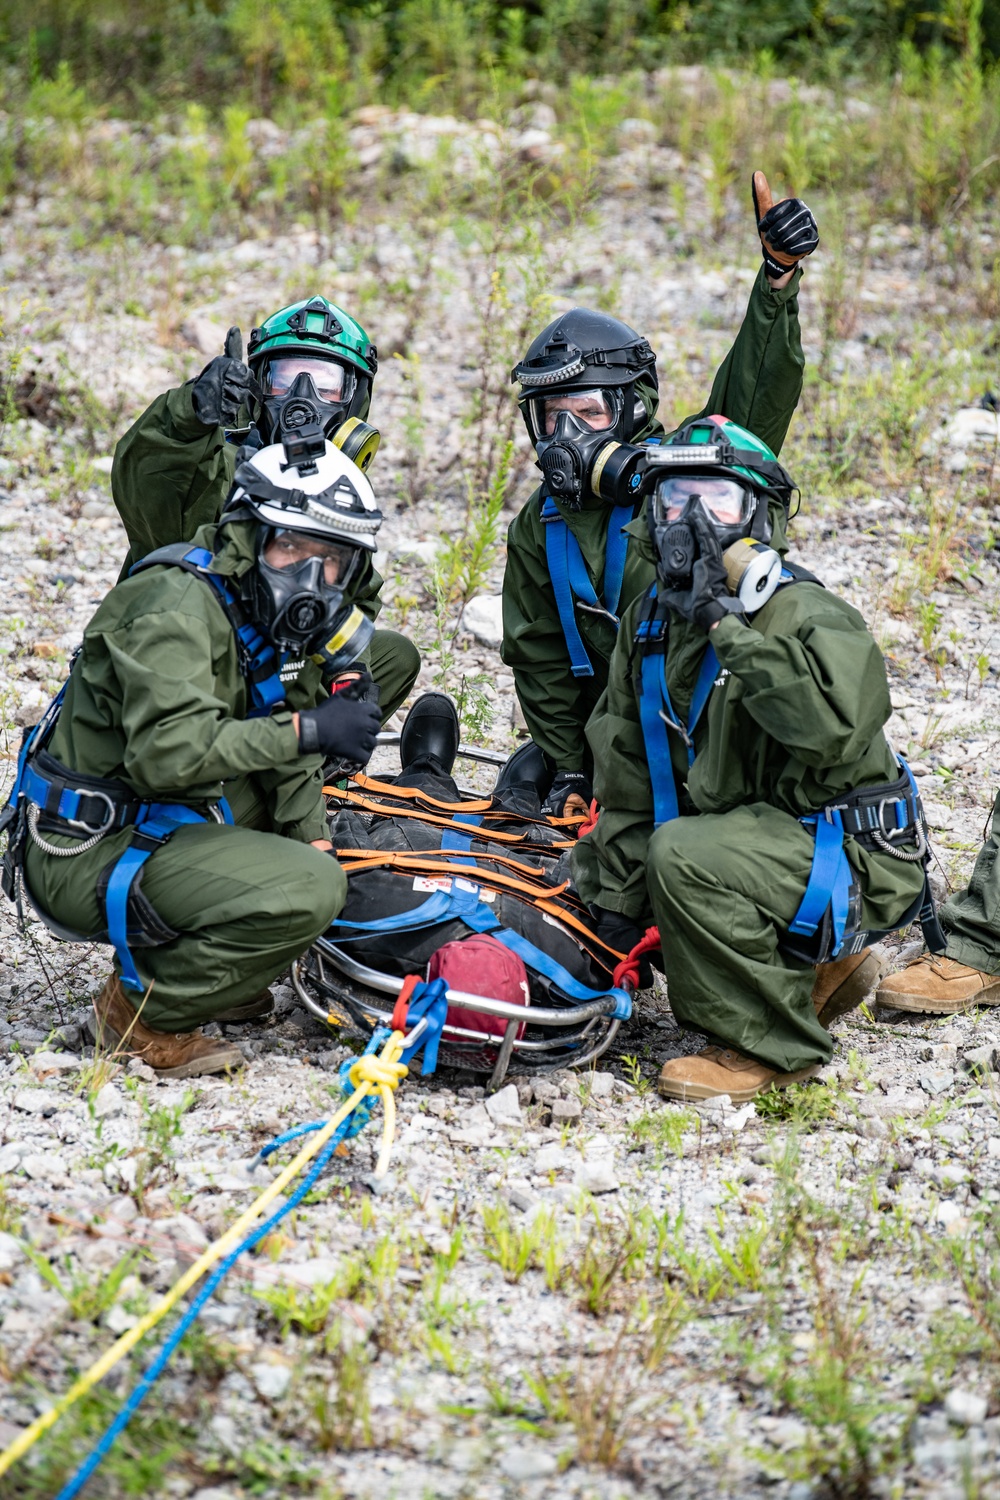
(430, 734)
(524, 781)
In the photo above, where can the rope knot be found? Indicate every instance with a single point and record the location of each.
(627, 971)
(376, 1071)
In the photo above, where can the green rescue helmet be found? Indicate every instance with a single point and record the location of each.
(313, 349)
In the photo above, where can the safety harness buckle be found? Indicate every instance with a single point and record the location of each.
(110, 817)
(890, 833)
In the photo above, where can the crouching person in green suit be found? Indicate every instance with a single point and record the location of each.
(172, 802)
(750, 804)
(174, 467)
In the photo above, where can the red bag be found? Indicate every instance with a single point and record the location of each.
(480, 965)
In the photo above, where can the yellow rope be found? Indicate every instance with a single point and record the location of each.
(369, 1075)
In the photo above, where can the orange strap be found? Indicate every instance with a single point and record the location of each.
(492, 835)
(483, 860)
(484, 805)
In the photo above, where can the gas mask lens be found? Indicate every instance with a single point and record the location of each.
(288, 549)
(725, 502)
(334, 382)
(597, 409)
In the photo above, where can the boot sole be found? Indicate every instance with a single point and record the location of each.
(926, 1005)
(251, 1012)
(193, 1069)
(689, 1091)
(849, 995)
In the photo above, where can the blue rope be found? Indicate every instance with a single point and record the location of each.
(346, 1129)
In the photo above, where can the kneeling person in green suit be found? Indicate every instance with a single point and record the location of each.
(573, 562)
(750, 803)
(174, 467)
(172, 803)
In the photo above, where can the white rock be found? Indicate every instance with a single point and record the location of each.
(555, 1158)
(109, 1102)
(965, 1408)
(11, 1253)
(522, 1464)
(597, 1176)
(948, 1212)
(104, 464)
(504, 1108)
(53, 1062)
(936, 1080)
(736, 1121)
(10, 1157)
(602, 1085)
(35, 1102)
(117, 1320)
(272, 1381)
(972, 426)
(483, 618)
(45, 1167)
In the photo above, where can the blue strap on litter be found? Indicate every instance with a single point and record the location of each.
(429, 1002)
(830, 880)
(155, 824)
(461, 843)
(571, 581)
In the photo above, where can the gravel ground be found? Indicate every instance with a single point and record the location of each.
(570, 1289)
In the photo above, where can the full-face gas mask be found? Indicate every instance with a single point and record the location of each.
(738, 516)
(578, 452)
(298, 587)
(302, 389)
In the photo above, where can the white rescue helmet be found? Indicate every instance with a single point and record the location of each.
(335, 500)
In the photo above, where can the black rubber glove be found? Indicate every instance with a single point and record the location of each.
(788, 232)
(567, 784)
(342, 727)
(621, 933)
(224, 385)
(708, 598)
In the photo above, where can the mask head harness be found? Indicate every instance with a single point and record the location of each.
(295, 605)
(731, 483)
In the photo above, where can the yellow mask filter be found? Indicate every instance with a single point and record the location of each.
(346, 644)
(358, 441)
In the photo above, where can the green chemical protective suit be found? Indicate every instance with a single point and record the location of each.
(794, 719)
(172, 474)
(757, 386)
(971, 917)
(157, 701)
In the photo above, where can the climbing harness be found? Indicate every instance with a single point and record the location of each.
(883, 819)
(886, 818)
(365, 1079)
(48, 797)
(571, 582)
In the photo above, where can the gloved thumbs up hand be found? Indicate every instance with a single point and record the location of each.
(787, 229)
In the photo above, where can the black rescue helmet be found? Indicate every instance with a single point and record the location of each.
(586, 350)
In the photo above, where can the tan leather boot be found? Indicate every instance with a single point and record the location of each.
(841, 986)
(720, 1070)
(938, 986)
(182, 1054)
(251, 1010)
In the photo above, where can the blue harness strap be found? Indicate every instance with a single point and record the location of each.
(259, 662)
(461, 843)
(657, 716)
(155, 824)
(571, 581)
(830, 880)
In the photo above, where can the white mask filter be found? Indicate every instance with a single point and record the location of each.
(753, 571)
